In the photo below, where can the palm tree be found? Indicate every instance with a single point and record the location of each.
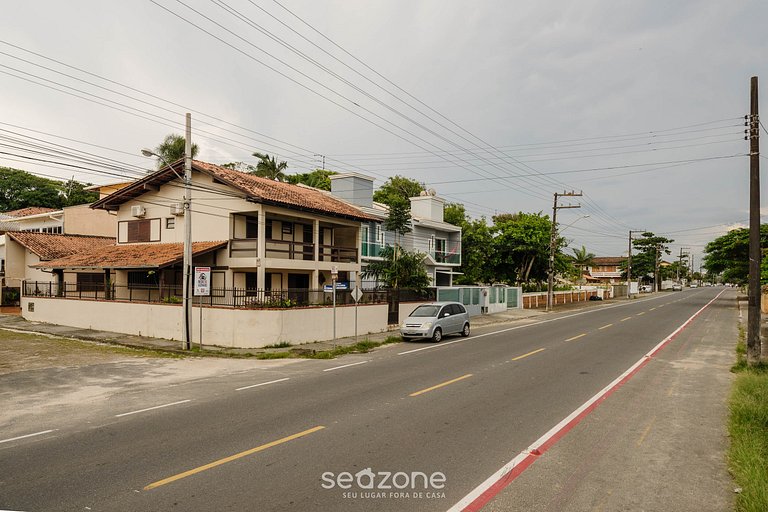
(172, 149)
(582, 259)
(269, 168)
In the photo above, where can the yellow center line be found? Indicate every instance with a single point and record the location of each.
(577, 337)
(526, 355)
(646, 431)
(231, 458)
(652, 309)
(625, 319)
(604, 327)
(641, 313)
(417, 393)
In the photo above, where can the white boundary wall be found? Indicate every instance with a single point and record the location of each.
(236, 328)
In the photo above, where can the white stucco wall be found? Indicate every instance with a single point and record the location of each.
(221, 326)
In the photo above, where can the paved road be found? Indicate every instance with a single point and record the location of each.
(273, 437)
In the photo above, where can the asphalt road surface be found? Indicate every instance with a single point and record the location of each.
(422, 424)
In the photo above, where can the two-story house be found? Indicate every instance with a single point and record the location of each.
(256, 235)
(606, 269)
(439, 241)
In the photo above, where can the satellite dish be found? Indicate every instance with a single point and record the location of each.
(432, 192)
(423, 193)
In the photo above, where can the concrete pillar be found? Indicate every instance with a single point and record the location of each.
(261, 249)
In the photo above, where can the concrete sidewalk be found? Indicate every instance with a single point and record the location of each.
(658, 443)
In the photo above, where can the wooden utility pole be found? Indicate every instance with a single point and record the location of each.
(553, 245)
(753, 318)
(629, 263)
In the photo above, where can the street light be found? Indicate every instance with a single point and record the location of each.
(187, 259)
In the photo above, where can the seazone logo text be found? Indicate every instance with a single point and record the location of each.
(369, 484)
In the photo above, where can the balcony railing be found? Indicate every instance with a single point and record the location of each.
(453, 256)
(372, 250)
(286, 249)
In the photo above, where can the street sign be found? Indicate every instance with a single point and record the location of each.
(202, 281)
(357, 294)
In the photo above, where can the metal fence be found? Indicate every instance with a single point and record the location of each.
(223, 297)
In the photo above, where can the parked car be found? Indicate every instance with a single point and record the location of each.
(435, 320)
(595, 297)
(694, 285)
(646, 288)
(677, 287)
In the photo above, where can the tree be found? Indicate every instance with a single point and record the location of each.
(455, 213)
(476, 242)
(173, 148)
(582, 259)
(729, 255)
(520, 248)
(648, 260)
(398, 188)
(20, 189)
(399, 219)
(74, 193)
(319, 178)
(269, 168)
(399, 269)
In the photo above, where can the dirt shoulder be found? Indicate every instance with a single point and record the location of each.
(22, 351)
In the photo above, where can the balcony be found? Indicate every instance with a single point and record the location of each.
(372, 250)
(450, 255)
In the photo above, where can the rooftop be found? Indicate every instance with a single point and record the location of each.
(261, 190)
(31, 210)
(127, 256)
(50, 246)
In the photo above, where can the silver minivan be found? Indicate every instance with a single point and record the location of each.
(435, 320)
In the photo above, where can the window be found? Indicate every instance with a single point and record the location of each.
(139, 230)
(142, 279)
(143, 230)
(170, 223)
(252, 227)
(287, 228)
(268, 230)
(88, 282)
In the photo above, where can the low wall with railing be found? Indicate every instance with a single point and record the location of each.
(226, 327)
(536, 300)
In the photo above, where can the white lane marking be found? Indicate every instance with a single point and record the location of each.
(346, 366)
(564, 423)
(28, 435)
(151, 408)
(262, 384)
(443, 344)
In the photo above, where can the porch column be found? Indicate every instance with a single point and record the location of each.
(314, 283)
(59, 273)
(261, 249)
(107, 284)
(316, 238)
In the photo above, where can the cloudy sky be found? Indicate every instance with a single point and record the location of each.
(494, 104)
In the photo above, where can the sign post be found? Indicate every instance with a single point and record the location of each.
(356, 295)
(334, 277)
(202, 289)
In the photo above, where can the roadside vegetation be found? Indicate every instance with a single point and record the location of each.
(360, 347)
(748, 429)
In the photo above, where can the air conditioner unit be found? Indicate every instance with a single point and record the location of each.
(138, 211)
(177, 209)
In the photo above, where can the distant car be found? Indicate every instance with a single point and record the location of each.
(646, 288)
(595, 297)
(677, 287)
(694, 285)
(435, 320)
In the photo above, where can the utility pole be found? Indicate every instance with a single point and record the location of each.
(680, 262)
(753, 318)
(657, 262)
(629, 262)
(187, 286)
(553, 244)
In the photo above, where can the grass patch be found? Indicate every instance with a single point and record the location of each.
(282, 344)
(748, 429)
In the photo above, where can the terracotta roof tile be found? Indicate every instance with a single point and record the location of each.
(608, 260)
(283, 193)
(124, 256)
(32, 210)
(252, 187)
(50, 246)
